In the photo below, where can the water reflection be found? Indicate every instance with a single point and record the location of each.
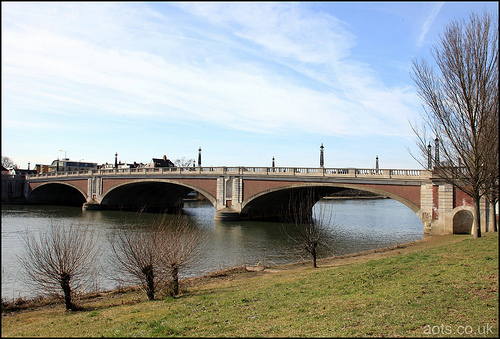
(356, 225)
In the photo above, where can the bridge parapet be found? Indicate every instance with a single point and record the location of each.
(242, 171)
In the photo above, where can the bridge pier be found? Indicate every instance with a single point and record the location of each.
(229, 198)
(226, 214)
(91, 206)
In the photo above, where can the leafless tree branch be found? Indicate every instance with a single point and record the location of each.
(152, 256)
(62, 259)
(304, 224)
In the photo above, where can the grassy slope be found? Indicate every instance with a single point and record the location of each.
(409, 292)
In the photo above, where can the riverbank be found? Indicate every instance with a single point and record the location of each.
(404, 290)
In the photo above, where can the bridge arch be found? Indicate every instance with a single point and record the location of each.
(57, 193)
(463, 219)
(149, 194)
(269, 204)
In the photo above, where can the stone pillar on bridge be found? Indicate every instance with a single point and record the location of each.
(94, 192)
(98, 188)
(444, 223)
(229, 198)
(94, 189)
(237, 194)
(426, 206)
(221, 193)
(91, 188)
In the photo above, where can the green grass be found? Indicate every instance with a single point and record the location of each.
(450, 289)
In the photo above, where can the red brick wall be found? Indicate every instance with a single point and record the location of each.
(461, 199)
(252, 187)
(408, 192)
(81, 184)
(209, 185)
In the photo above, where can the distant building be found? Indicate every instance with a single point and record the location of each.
(106, 166)
(121, 165)
(13, 182)
(42, 168)
(165, 162)
(71, 166)
(127, 166)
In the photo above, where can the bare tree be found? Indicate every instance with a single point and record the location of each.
(62, 259)
(138, 254)
(152, 256)
(305, 225)
(461, 107)
(184, 245)
(8, 162)
(183, 162)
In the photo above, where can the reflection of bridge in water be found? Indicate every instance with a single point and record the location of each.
(252, 193)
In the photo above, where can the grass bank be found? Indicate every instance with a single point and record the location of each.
(441, 286)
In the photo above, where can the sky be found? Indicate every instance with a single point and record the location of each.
(245, 81)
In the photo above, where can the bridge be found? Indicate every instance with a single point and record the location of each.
(253, 193)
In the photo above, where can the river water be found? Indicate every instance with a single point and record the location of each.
(355, 225)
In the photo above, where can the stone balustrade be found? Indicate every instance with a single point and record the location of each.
(251, 171)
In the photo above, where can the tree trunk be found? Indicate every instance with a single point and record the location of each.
(65, 278)
(477, 221)
(493, 217)
(175, 280)
(495, 222)
(150, 282)
(313, 252)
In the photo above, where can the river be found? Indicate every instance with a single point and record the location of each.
(356, 225)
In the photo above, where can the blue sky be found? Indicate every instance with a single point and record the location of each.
(243, 81)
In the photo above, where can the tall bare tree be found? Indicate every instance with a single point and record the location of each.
(461, 107)
(152, 256)
(304, 224)
(62, 259)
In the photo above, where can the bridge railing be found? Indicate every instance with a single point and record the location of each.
(254, 171)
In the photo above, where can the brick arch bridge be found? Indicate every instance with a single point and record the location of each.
(252, 193)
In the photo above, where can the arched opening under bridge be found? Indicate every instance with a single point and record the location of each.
(148, 196)
(462, 222)
(59, 194)
(274, 204)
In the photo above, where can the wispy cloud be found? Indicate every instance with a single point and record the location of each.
(272, 69)
(280, 68)
(428, 23)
